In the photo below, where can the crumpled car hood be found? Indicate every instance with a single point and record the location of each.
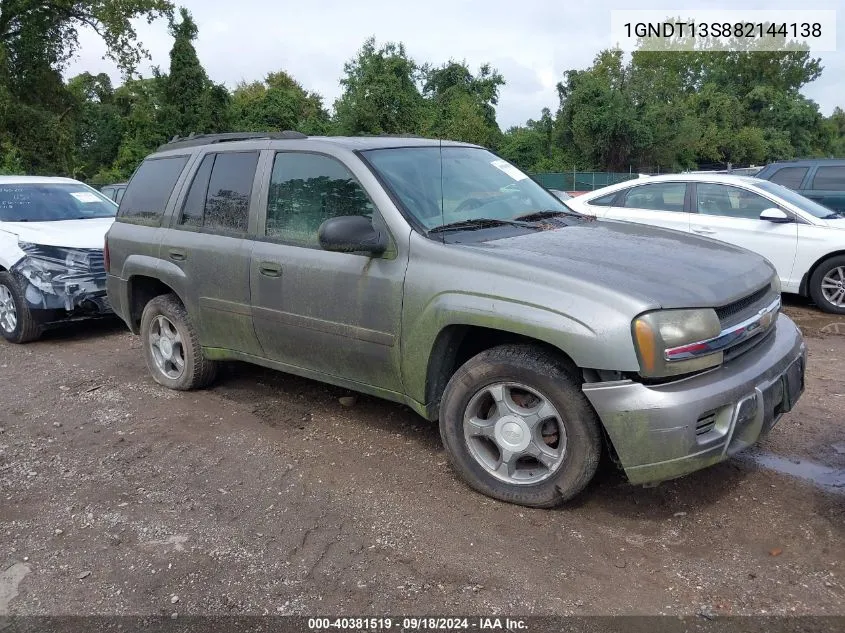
(670, 268)
(67, 233)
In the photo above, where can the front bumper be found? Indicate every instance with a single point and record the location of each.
(664, 431)
(64, 296)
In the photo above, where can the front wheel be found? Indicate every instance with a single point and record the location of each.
(17, 324)
(517, 427)
(827, 285)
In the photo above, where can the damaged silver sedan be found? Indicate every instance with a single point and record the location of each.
(51, 254)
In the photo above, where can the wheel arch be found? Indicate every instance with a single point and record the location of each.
(141, 290)
(804, 288)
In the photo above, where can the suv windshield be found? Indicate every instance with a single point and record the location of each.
(793, 197)
(49, 202)
(450, 185)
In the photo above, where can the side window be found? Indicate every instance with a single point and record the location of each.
(108, 192)
(193, 208)
(150, 188)
(119, 194)
(305, 191)
(829, 179)
(790, 177)
(715, 199)
(220, 192)
(660, 196)
(604, 201)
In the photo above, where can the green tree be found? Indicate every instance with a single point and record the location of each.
(380, 92)
(462, 106)
(278, 103)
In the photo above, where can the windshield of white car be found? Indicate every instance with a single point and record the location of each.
(459, 187)
(51, 202)
(793, 197)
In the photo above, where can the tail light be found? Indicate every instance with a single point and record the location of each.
(106, 258)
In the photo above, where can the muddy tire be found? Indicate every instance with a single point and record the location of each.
(517, 427)
(827, 285)
(171, 347)
(16, 322)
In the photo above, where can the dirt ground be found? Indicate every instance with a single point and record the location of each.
(265, 495)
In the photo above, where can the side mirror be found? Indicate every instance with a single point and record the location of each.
(351, 234)
(775, 215)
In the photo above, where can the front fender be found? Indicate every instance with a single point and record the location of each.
(587, 346)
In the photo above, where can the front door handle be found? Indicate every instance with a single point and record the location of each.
(270, 269)
(178, 254)
(703, 231)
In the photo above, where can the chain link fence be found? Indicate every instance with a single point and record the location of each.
(580, 180)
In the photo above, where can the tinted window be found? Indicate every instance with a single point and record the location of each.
(305, 191)
(193, 209)
(604, 201)
(108, 192)
(714, 199)
(229, 190)
(119, 195)
(789, 176)
(829, 178)
(48, 202)
(150, 188)
(662, 196)
(220, 192)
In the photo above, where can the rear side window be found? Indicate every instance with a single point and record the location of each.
(663, 196)
(150, 188)
(789, 176)
(604, 201)
(829, 179)
(220, 192)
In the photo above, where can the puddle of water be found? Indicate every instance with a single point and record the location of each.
(823, 476)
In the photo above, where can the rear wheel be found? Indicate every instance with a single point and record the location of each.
(518, 428)
(16, 322)
(827, 285)
(171, 346)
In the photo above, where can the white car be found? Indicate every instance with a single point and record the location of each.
(52, 232)
(804, 240)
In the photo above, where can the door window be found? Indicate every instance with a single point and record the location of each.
(789, 176)
(829, 179)
(220, 192)
(305, 191)
(659, 196)
(728, 201)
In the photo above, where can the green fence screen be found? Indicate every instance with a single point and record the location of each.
(580, 180)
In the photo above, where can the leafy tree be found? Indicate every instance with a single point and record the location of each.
(278, 103)
(380, 92)
(462, 106)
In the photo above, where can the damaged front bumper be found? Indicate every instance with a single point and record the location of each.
(62, 283)
(664, 431)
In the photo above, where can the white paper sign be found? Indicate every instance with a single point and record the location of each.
(509, 169)
(85, 196)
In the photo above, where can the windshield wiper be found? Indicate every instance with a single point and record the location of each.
(548, 213)
(479, 223)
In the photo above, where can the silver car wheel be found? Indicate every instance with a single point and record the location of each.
(8, 311)
(833, 286)
(166, 346)
(515, 433)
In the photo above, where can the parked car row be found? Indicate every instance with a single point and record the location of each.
(537, 332)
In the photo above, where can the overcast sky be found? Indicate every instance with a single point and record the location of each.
(531, 42)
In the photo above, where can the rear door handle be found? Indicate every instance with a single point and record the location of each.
(178, 254)
(270, 269)
(704, 231)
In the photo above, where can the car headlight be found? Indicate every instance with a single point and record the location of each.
(674, 342)
(78, 260)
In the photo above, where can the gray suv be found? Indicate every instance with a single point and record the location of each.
(438, 275)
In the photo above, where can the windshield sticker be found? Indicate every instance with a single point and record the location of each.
(510, 170)
(85, 196)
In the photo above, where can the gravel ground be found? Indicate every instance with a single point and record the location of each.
(266, 495)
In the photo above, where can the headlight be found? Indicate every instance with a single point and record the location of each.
(78, 260)
(682, 333)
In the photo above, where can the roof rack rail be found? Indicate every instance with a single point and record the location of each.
(193, 140)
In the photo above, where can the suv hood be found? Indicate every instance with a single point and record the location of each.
(659, 266)
(67, 233)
